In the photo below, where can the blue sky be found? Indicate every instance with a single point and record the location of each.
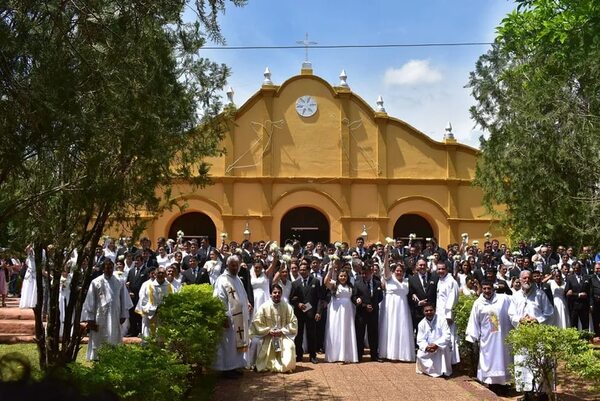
(422, 86)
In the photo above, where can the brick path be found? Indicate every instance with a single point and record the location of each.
(364, 381)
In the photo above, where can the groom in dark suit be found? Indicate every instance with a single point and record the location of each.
(306, 298)
(194, 274)
(366, 295)
(422, 290)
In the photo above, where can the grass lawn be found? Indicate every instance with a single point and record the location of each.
(31, 353)
(201, 390)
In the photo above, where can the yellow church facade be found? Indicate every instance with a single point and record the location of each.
(309, 160)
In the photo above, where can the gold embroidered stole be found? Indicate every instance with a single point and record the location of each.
(237, 317)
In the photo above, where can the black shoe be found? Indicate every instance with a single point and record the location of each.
(298, 359)
(314, 360)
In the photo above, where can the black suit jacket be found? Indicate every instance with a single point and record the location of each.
(594, 294)
(100, 261)
(311, 293)
(365, 252)
(577, 288)
(415, 287)
(244, 275)
(361, 290)
(479, 274)
(187, 277)
(136, 281)
(185, 262)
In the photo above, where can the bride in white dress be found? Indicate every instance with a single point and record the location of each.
(29, 289)
(340, 335)
(260, 282)
(561, 313)
(396, 339)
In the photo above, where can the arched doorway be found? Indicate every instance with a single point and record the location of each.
(412, 224)
(304, 224)
(194, 225)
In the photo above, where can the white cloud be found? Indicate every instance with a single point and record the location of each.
(412, 73)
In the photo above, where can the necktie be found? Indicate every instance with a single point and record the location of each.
(424, 281)
(304, 284)
(370, 288)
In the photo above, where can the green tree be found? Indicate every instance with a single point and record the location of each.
(542, 347)
(191, 324)
(536, 95)
(100, 101)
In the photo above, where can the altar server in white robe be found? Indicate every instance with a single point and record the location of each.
(489, 325)
(434, 353)
(530, 304)
(446, 300)
(230, 290)
(276, 325)
(106, 307)
(152, 294)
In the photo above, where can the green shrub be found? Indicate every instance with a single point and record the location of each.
(135, 373)
(191, 324)
(462, 311)
(587, 366)
(543, 346)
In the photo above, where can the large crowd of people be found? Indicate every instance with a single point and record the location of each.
(395, 298)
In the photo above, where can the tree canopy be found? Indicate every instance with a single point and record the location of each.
(103, 103)
(537, 95)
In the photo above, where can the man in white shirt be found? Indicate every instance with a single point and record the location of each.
(530, 304)
(434, 354)
(447, 298)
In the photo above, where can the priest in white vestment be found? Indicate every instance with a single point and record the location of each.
(230, 290)
(106, 307)
(434, 354)
(276, 325)
(446, 300)
(152, 293)
(529, 305)
(489, 325)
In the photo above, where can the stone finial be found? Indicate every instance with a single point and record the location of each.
(343, 78)
(449, 134)
(267, 75)
(230, 93)
(364, 233)
(380, 107)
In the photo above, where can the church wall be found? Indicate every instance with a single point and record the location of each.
(247, 143)
(306, 146)
(469, 203)
(356, 166)
(412, 155)
(364, 200)
(466, 164)
(248, 199)
(362, 133)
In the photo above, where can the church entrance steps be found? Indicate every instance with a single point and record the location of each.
(18, 325)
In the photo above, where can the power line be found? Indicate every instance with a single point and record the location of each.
(369, 46)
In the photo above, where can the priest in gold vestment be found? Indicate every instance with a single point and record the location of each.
(277, 325)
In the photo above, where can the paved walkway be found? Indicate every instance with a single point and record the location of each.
(370, 381)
